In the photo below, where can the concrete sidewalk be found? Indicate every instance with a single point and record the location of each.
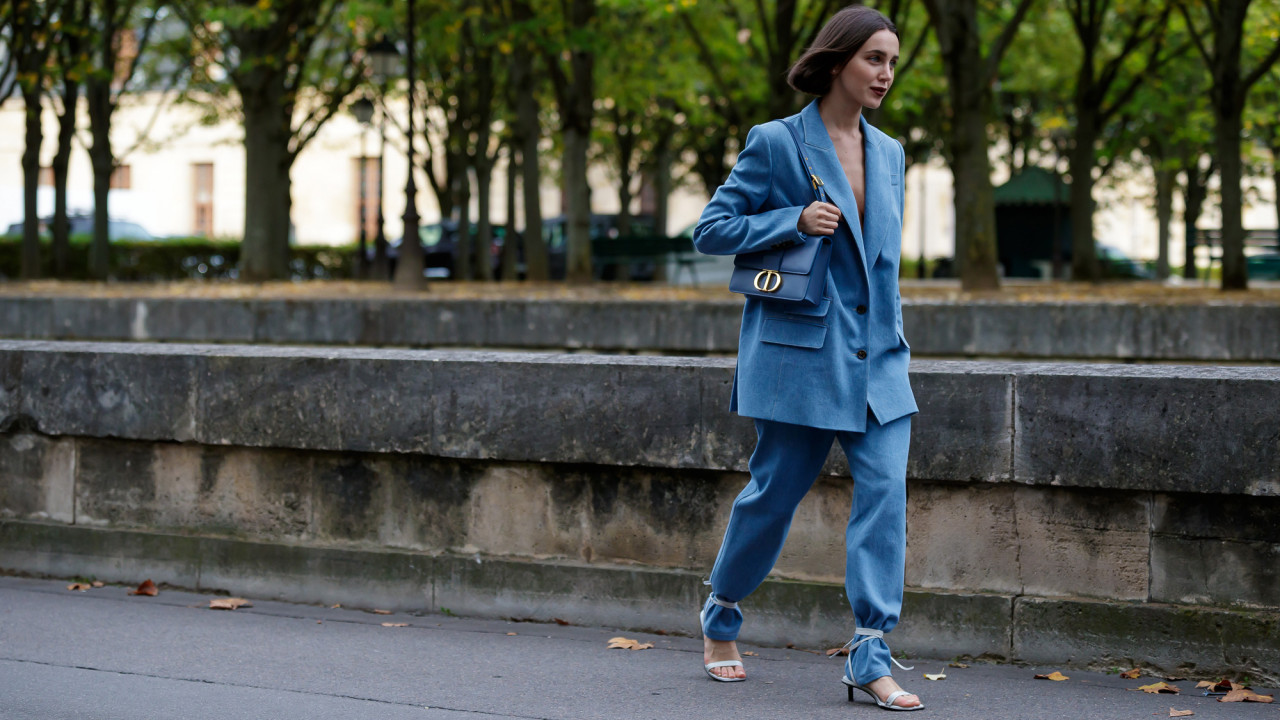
(105, 654)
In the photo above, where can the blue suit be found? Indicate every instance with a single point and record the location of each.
(811, 375)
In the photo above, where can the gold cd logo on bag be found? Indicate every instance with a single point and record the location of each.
(768, 281)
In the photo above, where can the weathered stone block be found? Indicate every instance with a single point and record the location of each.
(1215, 550)
(107, 390)
(26, 317)
(196, 320)
(944, 625)
(963, 430)
(1083, 543)
(37, 477)
(109, 555)
(1190, 429)
(963, 538)
(1184, 640)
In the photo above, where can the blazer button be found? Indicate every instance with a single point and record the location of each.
(861, 309)
(862, 354)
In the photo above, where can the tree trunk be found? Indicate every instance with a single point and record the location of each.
(61, 230)
(462, 207)
(1234, 273)
(1084, 254)
(955, 25)
(264, 253)
(528, 131)
(1164, 215)
(577, 110)
(31, 184)
(510, 247)
(98, 100)
(1194, 195)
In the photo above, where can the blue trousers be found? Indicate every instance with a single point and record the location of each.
(786, 461)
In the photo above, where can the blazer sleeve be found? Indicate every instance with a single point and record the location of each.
(902, 213)
(732, 222)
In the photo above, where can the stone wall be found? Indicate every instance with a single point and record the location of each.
(1220, 331)
(1044, 499)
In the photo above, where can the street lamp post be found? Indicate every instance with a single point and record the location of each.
(384, 57)
(409, 267)
(363, 110)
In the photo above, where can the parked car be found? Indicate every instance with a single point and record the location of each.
(603, 225)
(83, 225)
(1265, 266)
(440, 246)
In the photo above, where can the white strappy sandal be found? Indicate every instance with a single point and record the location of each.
(708, 667)
(887, 703)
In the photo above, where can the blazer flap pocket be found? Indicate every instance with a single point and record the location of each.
(793, 332)
(798, 308)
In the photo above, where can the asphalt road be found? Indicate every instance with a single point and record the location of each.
(103, 654)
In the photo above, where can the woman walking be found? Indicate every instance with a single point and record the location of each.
(838, 370)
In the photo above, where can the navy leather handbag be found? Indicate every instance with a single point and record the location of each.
(797, 270)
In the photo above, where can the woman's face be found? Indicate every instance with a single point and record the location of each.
(866, 78)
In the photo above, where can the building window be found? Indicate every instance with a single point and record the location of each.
(121, 178)
(45, 178)
(203, 197)
(365, 202)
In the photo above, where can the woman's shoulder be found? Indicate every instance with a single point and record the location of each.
(883, 138)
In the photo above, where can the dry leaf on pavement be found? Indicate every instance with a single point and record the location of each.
(146, 588)
(228, 603)
(558, 621)
(80, 587)
(395, 624)
(1245, 695)
(832, 652)
(1054, 676)
(622, 643)
(381, 612)
(1133, 674)
(938, 676)
(957, 665)
(512, 633)
(748, 653)
(1180, 713)
(99, 583)
(1160, 687)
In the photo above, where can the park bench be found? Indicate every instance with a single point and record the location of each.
(624, 250)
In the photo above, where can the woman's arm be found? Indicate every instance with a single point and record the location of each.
(732, 222)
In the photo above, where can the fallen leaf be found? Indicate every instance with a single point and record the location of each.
(749, 653)
(382, 612)
(228, 603)
(1180, 713)
(79, 587)
(99, 583)
(835, 651)
(1160, 687)
(1246, 695)
(622, 643)
(395, 624)
(335, 606)
(1054, 676)
(146, 588)
(511, 633)
(938, 676)
(558, 621)
(1131, 674)
(957, 665)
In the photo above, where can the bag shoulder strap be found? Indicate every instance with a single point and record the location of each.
(819, 191)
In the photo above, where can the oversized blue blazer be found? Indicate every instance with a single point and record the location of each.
(802, 365)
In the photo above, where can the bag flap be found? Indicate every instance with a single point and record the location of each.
(797, 259)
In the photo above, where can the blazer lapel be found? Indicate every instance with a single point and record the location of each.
(822, 155)
(879, 192)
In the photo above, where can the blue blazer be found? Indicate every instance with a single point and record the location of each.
(823, 366)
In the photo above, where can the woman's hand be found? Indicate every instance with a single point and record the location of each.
(819, 219)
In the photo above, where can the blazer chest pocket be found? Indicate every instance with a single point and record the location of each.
(793, 332)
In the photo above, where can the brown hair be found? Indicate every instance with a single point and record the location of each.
(843, 35)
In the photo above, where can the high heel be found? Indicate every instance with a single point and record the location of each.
(708, 667)
(849, 683)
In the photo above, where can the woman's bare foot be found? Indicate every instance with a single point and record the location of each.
(717, 650)
(885, 686)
